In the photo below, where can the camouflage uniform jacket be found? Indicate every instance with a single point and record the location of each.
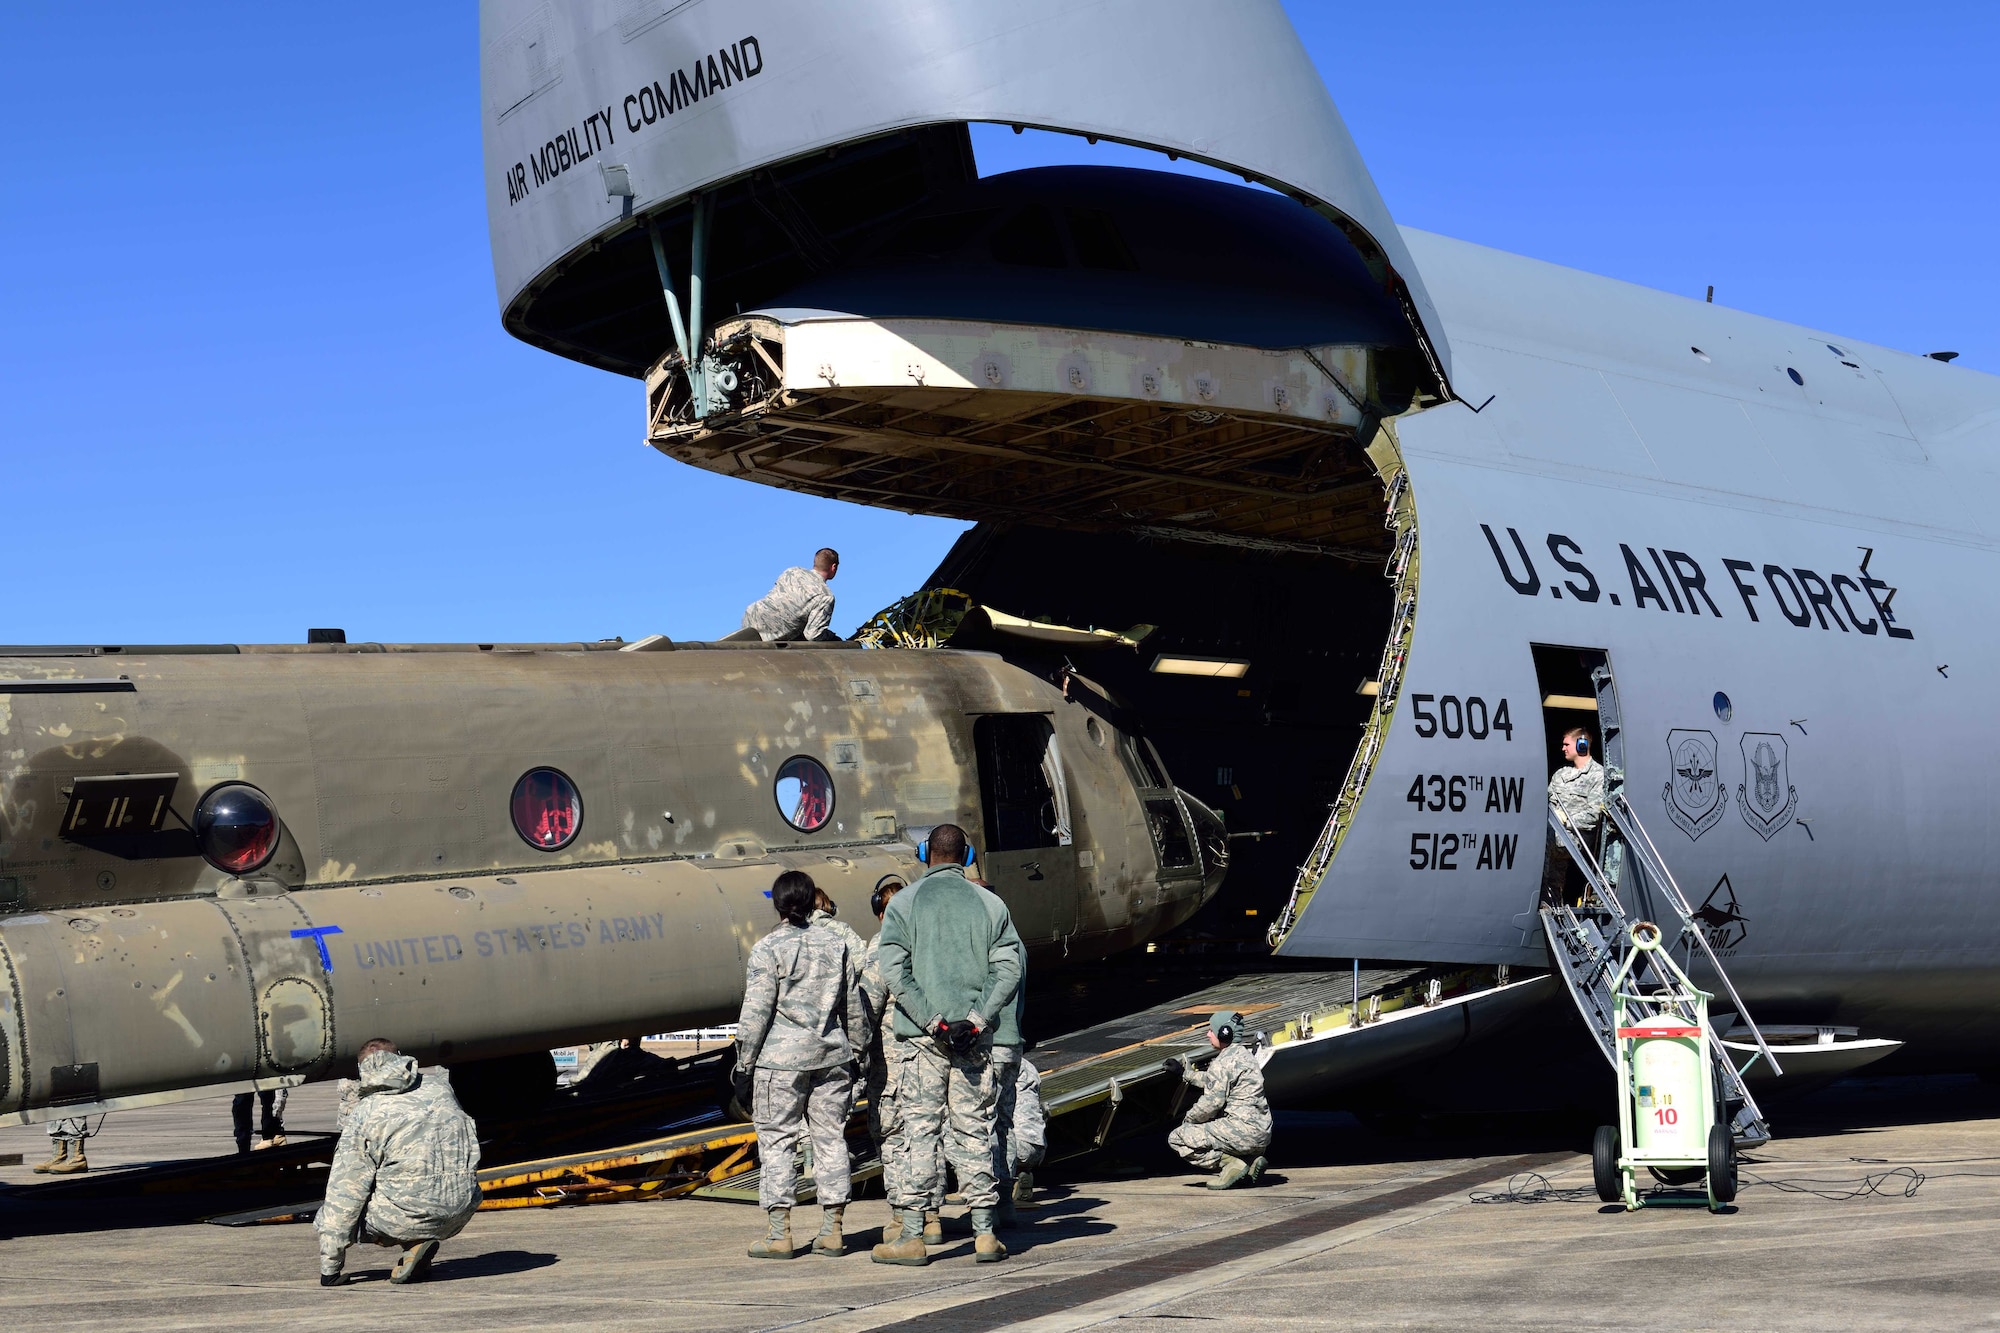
(881, 1011)
(349, 1093)
(406, 1165)
(797, 607)
(802, 1003)
(1232, 1089)
(1579, 794)
(857, 948)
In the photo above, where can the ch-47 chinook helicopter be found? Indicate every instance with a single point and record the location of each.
(231, 866)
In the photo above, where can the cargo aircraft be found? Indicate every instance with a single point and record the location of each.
(1403, 509)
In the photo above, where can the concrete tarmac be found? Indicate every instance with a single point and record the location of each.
(1352, 1230)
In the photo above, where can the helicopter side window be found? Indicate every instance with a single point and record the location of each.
(804, 791)
(546, 808)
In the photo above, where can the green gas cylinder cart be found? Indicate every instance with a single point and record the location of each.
(1668, 1119)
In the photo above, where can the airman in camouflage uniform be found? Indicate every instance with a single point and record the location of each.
(825, 914)
(1229, 1128)
(1020, 1130)
(803, 1026)
(799, 605)
(1009, 1068)
(1576, 792)
(952, 957)
(883, 1068)
(66, 1156)
(405, 1172)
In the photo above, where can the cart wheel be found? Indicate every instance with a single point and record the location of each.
(1604, 1164)
(1721, 1164)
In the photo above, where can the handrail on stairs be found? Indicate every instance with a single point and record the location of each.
(1603, 953)
(1636, 837)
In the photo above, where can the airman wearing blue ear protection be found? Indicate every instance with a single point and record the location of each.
(953, 963)
(1576, 792)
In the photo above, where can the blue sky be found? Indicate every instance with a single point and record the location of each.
(252, 377)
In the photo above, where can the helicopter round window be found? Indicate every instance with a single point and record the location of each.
(547, 810)
(805, 793)
(235, 828)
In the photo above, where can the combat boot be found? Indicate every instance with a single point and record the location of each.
(933, 1226)
(777, 1242)
(1233, 1170)
(830, 1240)
(1024, 1190)
(415, 1264)
(76, 1164)
(986, 1247)
(1003, 1215)
(908, 1248)
(56, 1159)
(1256, 1175)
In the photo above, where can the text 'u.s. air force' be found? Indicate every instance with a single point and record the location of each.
(1663, 579)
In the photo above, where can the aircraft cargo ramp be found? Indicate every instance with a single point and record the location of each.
(1105, 1082)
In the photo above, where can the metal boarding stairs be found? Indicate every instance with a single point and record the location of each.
(1591, 940)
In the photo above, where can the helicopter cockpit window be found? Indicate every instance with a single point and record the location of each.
(1145, 765)
(1170, 834)
(547, 810)
(805, 793)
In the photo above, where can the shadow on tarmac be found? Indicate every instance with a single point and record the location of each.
(1857, 1106)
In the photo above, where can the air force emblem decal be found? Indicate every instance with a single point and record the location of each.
(1694, 794)
(1767, 797)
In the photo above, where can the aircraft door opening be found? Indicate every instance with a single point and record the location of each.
(1578, 694)
(1028, 855)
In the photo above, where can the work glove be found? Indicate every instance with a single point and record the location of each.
(743, 1082)
(1174, 1067)
(962, 1036)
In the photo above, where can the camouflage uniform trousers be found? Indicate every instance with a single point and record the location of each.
(817, 1101)
(890, 1129)
(884, 1120)
(1018, 1117)
(944, 1096)
(1206, 1143)
(70, 1129)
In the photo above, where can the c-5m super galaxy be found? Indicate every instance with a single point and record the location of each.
(1755, 558)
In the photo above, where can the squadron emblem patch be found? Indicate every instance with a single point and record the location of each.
(1766, 797)
(1694, 794)
(1720, 917)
